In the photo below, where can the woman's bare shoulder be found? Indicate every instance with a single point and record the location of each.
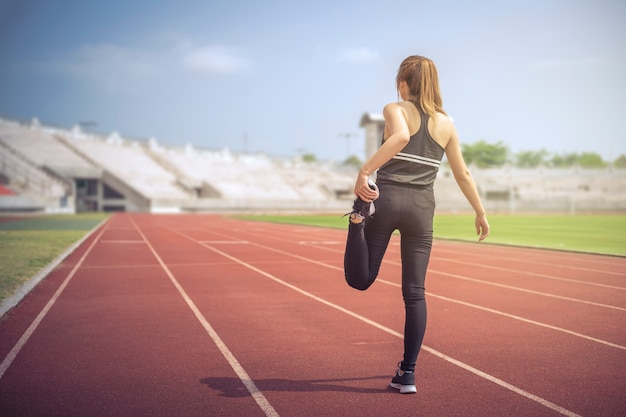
(442, 130)
(444, 118)
(395, 105)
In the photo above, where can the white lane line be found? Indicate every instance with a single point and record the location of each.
(258, 396)
(443, 356)
(226, 242)
(506, 385)
(532, 274)
(8, 360)
(22, 291)
(121, 241)
(512, 316)
(570, 332)
(511, 287)
(605, 261)
(320, 243)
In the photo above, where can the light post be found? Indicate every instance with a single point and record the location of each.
(347, 136)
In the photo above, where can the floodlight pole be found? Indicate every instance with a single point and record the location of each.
(347, 136)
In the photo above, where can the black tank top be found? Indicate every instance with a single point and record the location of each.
(417, 163)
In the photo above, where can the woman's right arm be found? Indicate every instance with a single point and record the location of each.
(395, 122)
(466, 184)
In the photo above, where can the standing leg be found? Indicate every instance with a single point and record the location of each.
(415, 258)
(416, 244)
(415, 251)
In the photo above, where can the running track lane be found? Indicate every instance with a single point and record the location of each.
(202, 315)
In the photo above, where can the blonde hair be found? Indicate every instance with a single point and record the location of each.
(421, 76)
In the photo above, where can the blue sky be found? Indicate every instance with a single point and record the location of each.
(285, 77)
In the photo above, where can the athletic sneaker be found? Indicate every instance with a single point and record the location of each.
(364, 209)
(404, 381)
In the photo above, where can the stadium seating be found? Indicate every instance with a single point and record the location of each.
(128, 161)
(56, 168)
(6, 191)
(21, 161)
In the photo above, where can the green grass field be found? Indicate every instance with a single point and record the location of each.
(27, 244)
(604, 234)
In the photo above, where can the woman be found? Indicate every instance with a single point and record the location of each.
(417, 134)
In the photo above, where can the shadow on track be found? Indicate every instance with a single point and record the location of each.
(233, 387)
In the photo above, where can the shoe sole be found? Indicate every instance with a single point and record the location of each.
(404, 389)
(374, 187)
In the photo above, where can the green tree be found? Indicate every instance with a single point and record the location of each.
(564, 161)
(620, 162)
(590, 160)
(530, 159)
(583, 160)
(485, 155)
(353, 161)
(309, 158)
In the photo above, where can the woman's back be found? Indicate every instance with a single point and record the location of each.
(440, 127)
(417, 163)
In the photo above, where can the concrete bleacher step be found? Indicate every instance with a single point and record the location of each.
(131, 164)
(188, 184)
(24, 174)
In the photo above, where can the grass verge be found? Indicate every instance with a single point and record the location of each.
(28, 244)
(604, 234)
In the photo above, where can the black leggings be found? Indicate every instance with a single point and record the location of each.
(409, 210)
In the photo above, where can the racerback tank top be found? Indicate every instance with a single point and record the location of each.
(417, 163)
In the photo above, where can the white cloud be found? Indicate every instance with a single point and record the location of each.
(92, 60)
(358, 55)
(218, 59)
(129, 70)
(110, 67)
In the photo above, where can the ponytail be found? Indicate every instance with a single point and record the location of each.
(421, 76)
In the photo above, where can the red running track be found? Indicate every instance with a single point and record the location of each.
(202, 315)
